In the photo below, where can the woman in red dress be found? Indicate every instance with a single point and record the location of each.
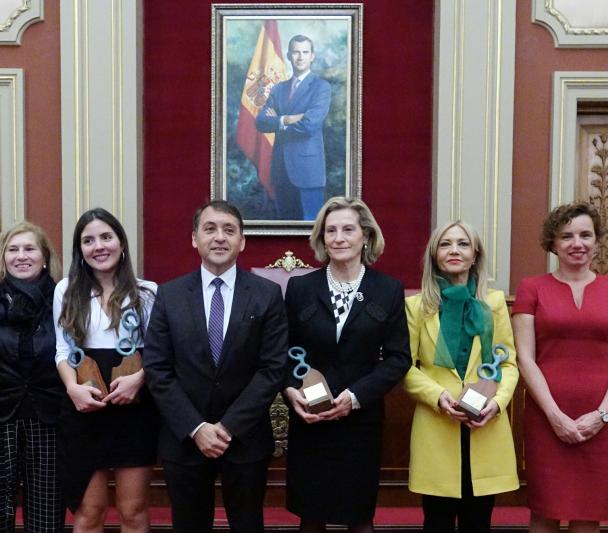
(561, 333)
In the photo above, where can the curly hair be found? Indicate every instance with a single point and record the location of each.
(564, 214)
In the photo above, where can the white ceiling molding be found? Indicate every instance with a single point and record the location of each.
(16, 16)
(12, 178)
(572, 23)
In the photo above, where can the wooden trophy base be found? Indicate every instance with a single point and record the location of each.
(88, 373)
(129, 365)
(317, 392)
(475, 396)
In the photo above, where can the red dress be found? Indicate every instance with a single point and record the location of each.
(567, 481)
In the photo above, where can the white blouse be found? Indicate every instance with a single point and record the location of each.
(98, 335)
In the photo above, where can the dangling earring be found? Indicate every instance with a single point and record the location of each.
(123, 256)
(44, 266)
(81, 262)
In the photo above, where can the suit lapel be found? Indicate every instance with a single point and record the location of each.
(366, 289)
(240, 302)
(432, 327)
(323, 290)
(474, 360)
(284, 89)
(300, 91)
(198, 317)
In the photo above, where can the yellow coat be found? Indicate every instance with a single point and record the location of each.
(435, 440)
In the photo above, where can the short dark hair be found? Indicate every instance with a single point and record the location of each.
(219, 205)
(300, 39)
(562, 215)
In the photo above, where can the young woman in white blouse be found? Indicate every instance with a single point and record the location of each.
(101, 311)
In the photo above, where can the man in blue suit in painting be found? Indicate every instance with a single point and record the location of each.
(295, 112)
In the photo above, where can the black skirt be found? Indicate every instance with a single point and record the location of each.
(116, 436)
(333, 469)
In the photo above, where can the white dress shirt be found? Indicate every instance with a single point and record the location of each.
(300, 79)
(227, 290)
(98, 334)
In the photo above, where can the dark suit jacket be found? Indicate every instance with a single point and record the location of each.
(373, 353)
(190, 389)
(300, 144)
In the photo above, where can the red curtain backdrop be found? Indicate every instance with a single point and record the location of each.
(397, 135)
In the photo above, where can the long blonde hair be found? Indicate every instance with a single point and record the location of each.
(431, 294)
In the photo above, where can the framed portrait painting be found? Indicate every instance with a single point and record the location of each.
(286, 110)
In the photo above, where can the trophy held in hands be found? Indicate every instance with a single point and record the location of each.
(87, 371)
(475, 396)
(314, 387)
(127, 347)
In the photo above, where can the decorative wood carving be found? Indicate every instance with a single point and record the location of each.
(288, 262)
(279, 412)
(592, 183)
(279, 417)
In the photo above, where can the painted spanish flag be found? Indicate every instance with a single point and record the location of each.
(267, 68)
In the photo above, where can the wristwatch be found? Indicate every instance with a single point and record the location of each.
(604, 415)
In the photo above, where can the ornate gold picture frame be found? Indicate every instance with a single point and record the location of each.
(280, 147)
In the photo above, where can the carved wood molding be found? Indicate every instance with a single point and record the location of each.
(288, 262)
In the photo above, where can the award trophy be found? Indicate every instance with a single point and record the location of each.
(314, 387)
(87, 371)
(475, 396)
(127, 347)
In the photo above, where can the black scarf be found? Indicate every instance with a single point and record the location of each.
(23, 304)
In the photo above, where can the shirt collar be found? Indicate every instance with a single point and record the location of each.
(228, 277)
(301, 77)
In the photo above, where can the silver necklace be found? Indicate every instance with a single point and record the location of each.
(346, 287)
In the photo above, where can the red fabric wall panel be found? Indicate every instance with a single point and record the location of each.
(397, 134)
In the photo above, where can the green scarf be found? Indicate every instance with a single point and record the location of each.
(459, 308)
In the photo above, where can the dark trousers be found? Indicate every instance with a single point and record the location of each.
(27, 455)
(294, 203)
(473, 513)
(192, 492)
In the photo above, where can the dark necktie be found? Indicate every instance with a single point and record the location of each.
(216, 322)
(294, 86)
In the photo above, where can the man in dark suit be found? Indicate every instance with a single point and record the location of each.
(295, 112)
(215, 355)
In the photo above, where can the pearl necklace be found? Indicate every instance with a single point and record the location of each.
(346, 287)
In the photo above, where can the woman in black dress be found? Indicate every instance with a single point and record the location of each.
(100, 303)
(350, 319)
(30, 389)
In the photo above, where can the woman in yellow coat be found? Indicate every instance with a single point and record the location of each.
(457, 463)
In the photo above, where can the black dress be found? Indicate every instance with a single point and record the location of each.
(333, 467)
(115, 436)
